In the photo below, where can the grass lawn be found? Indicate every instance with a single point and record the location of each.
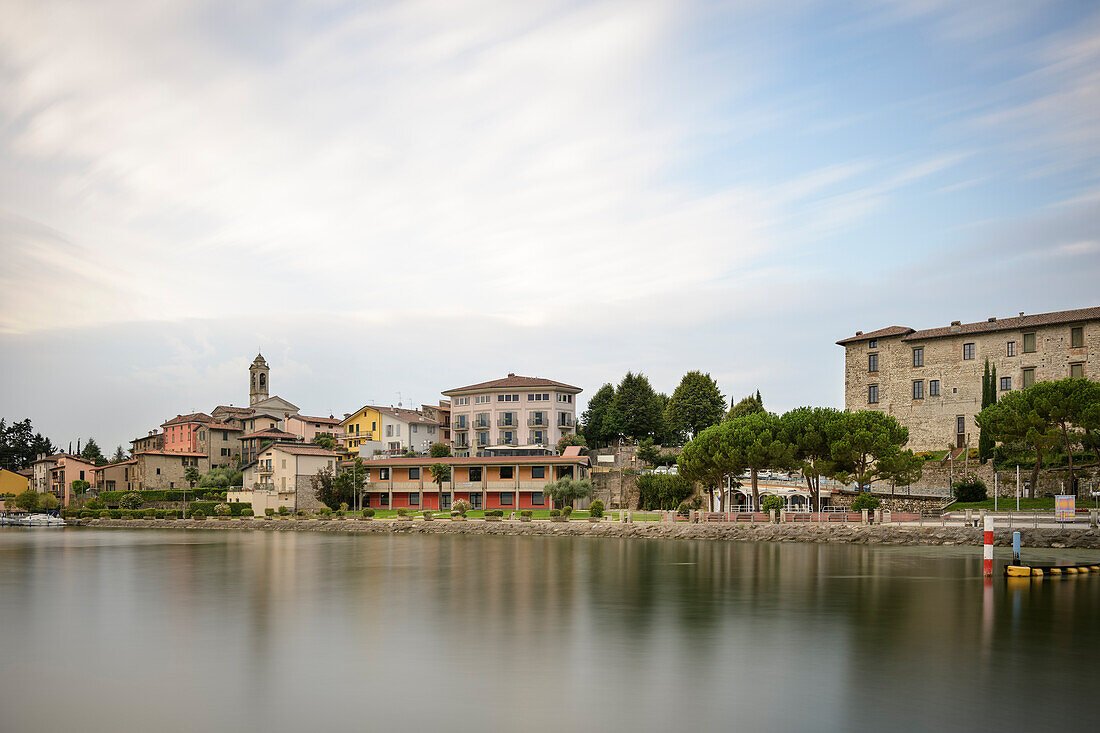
(536, 514)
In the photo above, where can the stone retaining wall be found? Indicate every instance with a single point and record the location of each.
(853, 534)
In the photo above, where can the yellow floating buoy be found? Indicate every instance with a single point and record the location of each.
(1036, 572)
(1071, 571)
(1055, 571)
(1018, 571)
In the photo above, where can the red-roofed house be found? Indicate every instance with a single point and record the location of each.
(281, 474)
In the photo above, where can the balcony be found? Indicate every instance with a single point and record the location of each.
(463, 425)
(507, 421)
(406, 486)
(538, 422)
(466, 485)
(482, 441)
(535, 485)
(505, 440)
(482, 422)
(565, 421)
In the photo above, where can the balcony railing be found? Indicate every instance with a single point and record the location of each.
(482, 442)
(538, 422)
(565, 421)
(507, 422)
(482, 422)
(506, 440)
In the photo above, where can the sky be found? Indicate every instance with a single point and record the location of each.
(389, 199)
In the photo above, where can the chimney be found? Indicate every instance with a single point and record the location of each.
(859, 333)
(1021, 314)
(993, 319)
(956, 326)
(511, 374)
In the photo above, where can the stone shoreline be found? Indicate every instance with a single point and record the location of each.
(851, 534)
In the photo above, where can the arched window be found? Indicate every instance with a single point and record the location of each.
(263, 379)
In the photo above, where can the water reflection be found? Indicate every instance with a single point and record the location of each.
(280, 631)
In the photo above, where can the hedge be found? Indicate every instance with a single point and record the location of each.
(151, 495)
(235, 508)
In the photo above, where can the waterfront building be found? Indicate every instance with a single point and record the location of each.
(201, 433)
(154, 470)
(253, 443)
(114, 476)
(153, 441)
(931, 379)
(513, 411)
(390, 430)
(55, 474)
(490, 482)
(441, 413)
(12, 482)
(281, 476)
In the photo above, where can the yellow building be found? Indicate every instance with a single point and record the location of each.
(356, 429)
(12, 482)
(390, 430)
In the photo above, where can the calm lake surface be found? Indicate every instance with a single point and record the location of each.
(173, 630)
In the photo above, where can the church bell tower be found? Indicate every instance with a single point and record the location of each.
(257, 388)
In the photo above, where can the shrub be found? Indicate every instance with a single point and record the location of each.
(460, 507)
(402, 512)
(95, 505)
(222, 510)
(865, 501)
(269, 512)
(150, 513)
(126, 514)
(555, 512)
(494, 512)
(104, 513)
(663, 490)
(343, 508)
(197, 512)
(247, 512)
(302, 513)
(969, 489)
(684, 509)
(324, 511)
(131, 500)
(566, 510)
(526, 513)
(771, 503)
(87, 514)
(368, 512)
(596, 509)
(170, 515)
(427, 514)
(284, 511)
(159, 514)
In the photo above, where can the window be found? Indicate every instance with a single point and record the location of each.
(414, 498)
(389, 431)
(1029, 378)
(968, 351)
(918, 356)
(1077, 371)
(537, 499)
(1010, 350)
(445, 500)
(284, 463)
(507, 398)
(414, 474)
(475, 501)
(383, 500)
(507, 472)
(538, 471)
(538, 437)
(872, 394)
(872, 344)
(383, 474)
(483, 438)
(366, 499)
(872, 362)
(565, 398)
(933, 388)
(960, 425)
(482, 399)
(918, 390)
(158, 471)
(398, 430)
(506, 498)
(507, 437)
(412, 428)
(475, 473)
(541, 397)
(460, 401)
(1029, 343)
(1006, 384)
(1077, 337)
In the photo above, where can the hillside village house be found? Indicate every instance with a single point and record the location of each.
(253, 443)
(931, 380)
(156, 470)
(201, 433)
(114, 476)
(308, 427)
(56, 473)
(12, 482)
(514, 411)
(386, 429)
(281, 476)
(506, 482)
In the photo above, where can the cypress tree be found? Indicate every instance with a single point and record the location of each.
(989, 396)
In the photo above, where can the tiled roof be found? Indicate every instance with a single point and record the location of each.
(301, 449)
(199, 417)
(409, 416)
(310, 418)
(270, 433)
(181, 453)
(510, 382)
(1014, 323)
(881, 333)
(235, 410)
(120, 463)
(220, 425)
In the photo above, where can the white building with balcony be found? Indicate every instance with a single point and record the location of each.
(520, 412)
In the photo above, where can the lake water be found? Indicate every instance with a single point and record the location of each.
(173, 630)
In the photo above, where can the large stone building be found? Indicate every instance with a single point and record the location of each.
(931, 380)
(515, 412)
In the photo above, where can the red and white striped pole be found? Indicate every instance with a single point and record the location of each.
(987, 557)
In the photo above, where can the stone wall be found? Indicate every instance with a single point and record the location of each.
(931, 420)
(1051, 481)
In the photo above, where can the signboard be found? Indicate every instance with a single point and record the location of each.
(1064, 508)
(605, 459)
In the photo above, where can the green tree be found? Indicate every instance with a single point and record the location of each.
(192, 476)
(325, 488)
(48, 502)
(594, 417)
(663, 491)
(709, 458)
(571, 439)
(695, 405)
(1064, 405)
(440, 450)
(20, 445)
(120, 455)
(79, 487)
(746, 406)
(441, 472)
(811, 433)
(566, 490)
(92, 454)
(1015, 419)
(325, 440)
(871, 448)
(636, 412)
(758, 438)
(989, 396)
(28, 500)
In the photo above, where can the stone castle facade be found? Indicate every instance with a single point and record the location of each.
(931, 380)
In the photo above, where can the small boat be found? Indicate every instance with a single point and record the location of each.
(39, 520)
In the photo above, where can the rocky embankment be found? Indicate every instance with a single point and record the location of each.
(852, 533)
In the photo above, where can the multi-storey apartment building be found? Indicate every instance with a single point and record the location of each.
(493, 482)
(931, 380)
(514, 411)
(387, 429)
(55, 474)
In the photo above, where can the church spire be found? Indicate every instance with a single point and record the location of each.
(258, 380)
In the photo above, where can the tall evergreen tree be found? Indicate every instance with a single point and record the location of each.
(636, 410)
(594, 418)
(746, 406)
(696, 404)
(92, 454)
